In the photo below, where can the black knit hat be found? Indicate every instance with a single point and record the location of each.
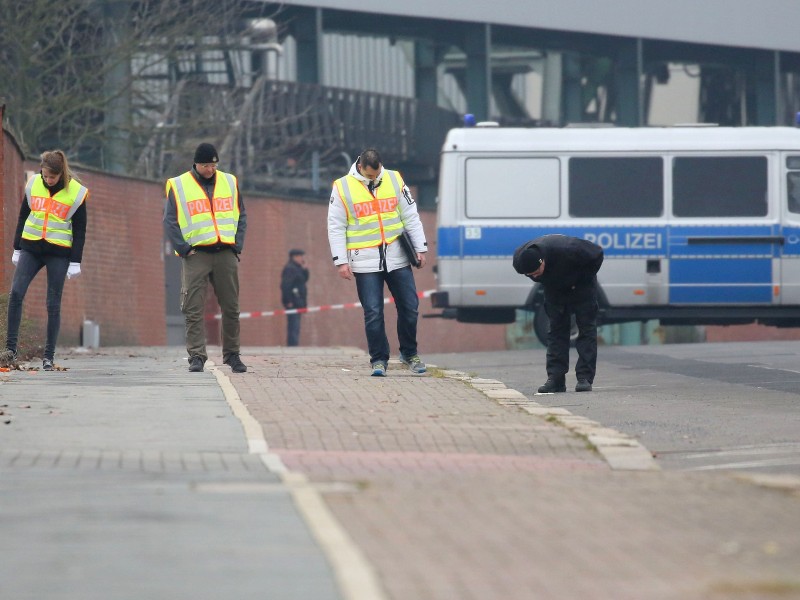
(527, 260)
(205, 153)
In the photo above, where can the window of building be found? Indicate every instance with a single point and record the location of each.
(719, 186)
(616, 187)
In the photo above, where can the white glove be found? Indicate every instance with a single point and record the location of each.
(74, 270)
(15, 258)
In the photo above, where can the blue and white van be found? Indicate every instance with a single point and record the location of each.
(700, 224)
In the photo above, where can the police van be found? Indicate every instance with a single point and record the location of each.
(699, 224)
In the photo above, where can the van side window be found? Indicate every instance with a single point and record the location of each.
(616, 187)
(719, 186)
(512, 188)
(793, 184)
(793, 191)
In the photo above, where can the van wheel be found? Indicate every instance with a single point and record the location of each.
(541, 325)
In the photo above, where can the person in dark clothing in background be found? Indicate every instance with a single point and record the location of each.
(293, 293)
(566, 267)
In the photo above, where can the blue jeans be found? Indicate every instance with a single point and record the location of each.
(28, 266)
(370, 294)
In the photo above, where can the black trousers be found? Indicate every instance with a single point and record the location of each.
(293, 329)
(560, 316)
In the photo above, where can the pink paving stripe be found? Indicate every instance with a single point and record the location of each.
(300, 460)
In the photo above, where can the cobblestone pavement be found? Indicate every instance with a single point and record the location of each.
(451, 494)
(127, 477)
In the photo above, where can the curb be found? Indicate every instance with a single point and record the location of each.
(354, 574)
(620, 451)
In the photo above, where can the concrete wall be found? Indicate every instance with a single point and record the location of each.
(122, 285)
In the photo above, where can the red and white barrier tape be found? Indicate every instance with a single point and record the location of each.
(310, 309)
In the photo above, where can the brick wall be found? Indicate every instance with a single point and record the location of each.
(750, 333)
(12, 187)
(277, 225)
(122, 285)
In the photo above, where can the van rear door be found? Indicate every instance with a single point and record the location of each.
(790, 263)
(724, 234)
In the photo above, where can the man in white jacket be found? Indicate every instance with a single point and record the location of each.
(370, 208)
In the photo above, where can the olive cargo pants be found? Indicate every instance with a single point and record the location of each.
(221, 269)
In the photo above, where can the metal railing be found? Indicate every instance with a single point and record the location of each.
(286, 135)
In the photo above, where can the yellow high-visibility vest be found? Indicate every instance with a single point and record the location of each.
(371, 220)
(200, 225)
(51, 216)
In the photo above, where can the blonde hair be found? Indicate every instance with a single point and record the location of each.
(56, 161)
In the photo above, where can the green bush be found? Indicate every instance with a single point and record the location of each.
(31, 334)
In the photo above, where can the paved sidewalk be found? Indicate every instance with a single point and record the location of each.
(127, 477)
(132, 478)
(454, 494)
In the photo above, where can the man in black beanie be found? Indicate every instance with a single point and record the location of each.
(205, 220)
(205, 154)
(566, 267)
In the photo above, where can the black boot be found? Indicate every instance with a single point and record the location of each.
(196, 364)
(583, 385)
(552, 386)
(235, 363)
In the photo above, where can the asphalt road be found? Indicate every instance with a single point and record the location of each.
(694, 406)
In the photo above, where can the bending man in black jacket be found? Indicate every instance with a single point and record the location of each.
(567, 269)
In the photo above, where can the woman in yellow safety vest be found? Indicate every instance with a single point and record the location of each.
(51, 231)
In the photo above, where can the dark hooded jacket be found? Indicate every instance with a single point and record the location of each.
(293, 285)
(570, 267)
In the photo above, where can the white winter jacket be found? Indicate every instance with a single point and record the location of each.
(386, 257)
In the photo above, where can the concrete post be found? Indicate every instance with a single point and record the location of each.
(628, 66)
(477, 46)
(308, 35)
(117, 89)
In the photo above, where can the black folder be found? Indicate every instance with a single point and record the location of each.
(408, 247)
